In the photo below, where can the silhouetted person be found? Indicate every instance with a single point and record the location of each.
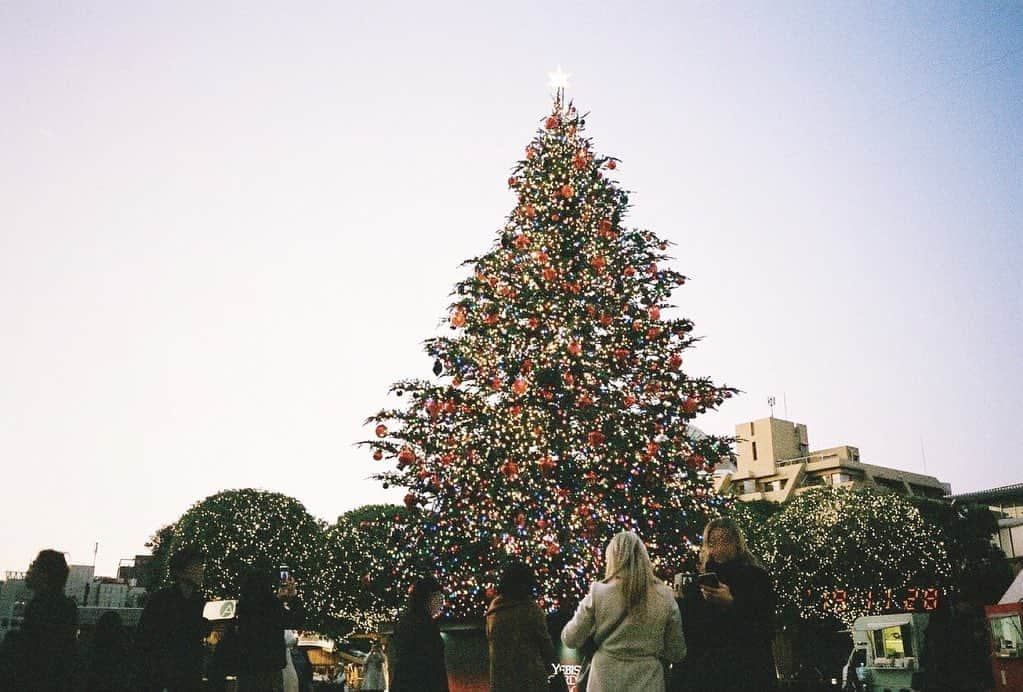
(109, 668)
(521, 650)
(416, 652)
(170, 633)
(225, 660)
(262, 618)
(41, 656)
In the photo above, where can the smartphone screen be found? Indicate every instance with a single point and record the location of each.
(284, 573)
(709, 579)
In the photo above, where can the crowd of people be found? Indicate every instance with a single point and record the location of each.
(641, 635)
(714, 635)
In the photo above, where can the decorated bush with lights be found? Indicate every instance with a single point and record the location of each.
(560, 410)
(838, 554)
(352, 588)
(242, 529)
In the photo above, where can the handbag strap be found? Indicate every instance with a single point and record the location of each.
(618, 622)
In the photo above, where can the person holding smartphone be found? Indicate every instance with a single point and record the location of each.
(728, 618)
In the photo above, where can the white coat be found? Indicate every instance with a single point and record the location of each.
(629, 659)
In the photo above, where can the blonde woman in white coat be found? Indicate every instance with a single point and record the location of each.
(629, 658)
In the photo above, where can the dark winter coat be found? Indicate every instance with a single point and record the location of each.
(42, 655)
(169, 642)
(521, 650)
(729, 646)
(416, 655)
(261, 626)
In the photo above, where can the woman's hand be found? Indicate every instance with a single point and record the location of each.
(720, 594)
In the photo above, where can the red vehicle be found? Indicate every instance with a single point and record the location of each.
(1005, 625)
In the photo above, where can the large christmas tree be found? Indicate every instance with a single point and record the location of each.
(560, 413)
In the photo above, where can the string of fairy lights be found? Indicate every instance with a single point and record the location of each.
(560, 407)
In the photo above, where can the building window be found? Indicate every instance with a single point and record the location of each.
(754, 451)
(749, 486)
(752, 431)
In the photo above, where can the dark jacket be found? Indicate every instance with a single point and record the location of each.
(521, 650)
(729, 646)
(169, 642)
(41, 656)
(261, 625)
(416, 655)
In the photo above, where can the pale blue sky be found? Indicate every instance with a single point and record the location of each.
(225, 228)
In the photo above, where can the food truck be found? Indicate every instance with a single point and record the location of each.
(886, 652)
(1005, 625)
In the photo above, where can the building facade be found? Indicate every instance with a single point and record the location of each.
(774, 462)
(1007, 504)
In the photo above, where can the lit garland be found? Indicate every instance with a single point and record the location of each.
(561, 415)
(859, 543)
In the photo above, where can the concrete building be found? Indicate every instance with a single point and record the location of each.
(774, 462)
(1007, 504)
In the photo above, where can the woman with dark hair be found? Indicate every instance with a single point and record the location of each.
(521, 650)
(262, 618)
(416, 653)
(728, 618)
(41, 656)
(109, 654)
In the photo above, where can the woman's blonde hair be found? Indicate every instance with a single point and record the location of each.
(627, 559)
(728, 525)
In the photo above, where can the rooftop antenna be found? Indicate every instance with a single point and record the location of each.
(770, 402)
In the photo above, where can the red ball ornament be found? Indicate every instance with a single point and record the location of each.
(530, 153)
(567, 191)
(653, 332)
(541, 524)
(598, 263)
(527, 366)
(652, 269)
(546, 465)
(605, 227)
(605, 320)
(513, 181)
(675, 362)
(621, 353)
(491, 319)
(510, 469)
(520, 520)
(575, 348)
(551, 123)
(520, 386)
(569, 379)
(406, 455)
(595, 438)
(522, 241)
(652, 448)
(411, 500)
(611, 165)
(629, 271)
(496, 382)
(381, 430)
(553, 549)
(629, 400)
(529, 211)
(549, 274)
(689, 405)
(654, 312)
(458, 319)
(377, 455)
